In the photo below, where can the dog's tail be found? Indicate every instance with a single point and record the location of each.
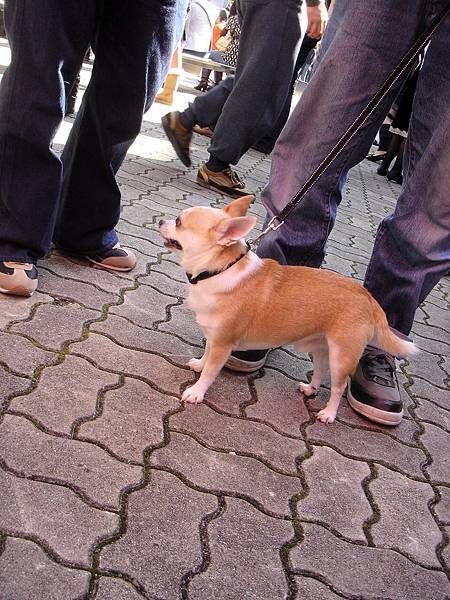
(386, 339)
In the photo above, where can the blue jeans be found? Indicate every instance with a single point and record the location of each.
(242, 108)
(77, 204)
(362, 44)
(216, 55)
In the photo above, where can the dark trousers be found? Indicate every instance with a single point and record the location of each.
(244, 107)
(75, 201)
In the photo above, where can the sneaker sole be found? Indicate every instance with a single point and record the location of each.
(222, 189)
(244, 366)
(109, 267)
(373, 414)
(175, 145)
(18, 291)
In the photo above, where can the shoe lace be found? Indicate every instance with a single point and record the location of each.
(379, 366)
(234, 177)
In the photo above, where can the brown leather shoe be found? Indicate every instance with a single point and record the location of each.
(206, 131)
(226, 181)
(179, 136)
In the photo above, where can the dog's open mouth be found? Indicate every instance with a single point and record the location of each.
(172, 244)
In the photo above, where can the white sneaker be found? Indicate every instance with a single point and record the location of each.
(18, 279)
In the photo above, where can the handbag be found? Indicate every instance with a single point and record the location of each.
(223, 42)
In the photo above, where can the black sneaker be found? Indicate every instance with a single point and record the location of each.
(373, 390)
(247, 361)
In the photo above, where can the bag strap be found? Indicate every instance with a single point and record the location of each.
(406, 62)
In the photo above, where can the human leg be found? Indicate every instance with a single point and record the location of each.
(31, 109)
(123, 85)
(354, 38)
(412, 248)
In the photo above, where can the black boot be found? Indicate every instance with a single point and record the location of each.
(202, 85)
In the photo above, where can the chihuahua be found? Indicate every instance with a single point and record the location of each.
(242, 302)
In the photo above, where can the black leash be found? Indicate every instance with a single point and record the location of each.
(408, 59)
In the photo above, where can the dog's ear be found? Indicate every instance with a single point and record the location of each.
(229, 231)
(239, 207)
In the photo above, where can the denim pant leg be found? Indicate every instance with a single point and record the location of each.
(133, 48)
(45, 37)
(268, 46)
(356, 56)
(412, 247)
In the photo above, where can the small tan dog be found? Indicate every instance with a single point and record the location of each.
(242, 302)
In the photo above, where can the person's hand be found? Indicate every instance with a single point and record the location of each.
(317, 17)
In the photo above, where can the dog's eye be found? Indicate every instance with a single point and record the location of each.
(177, 222)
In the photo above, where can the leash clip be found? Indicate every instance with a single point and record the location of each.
(271, 226)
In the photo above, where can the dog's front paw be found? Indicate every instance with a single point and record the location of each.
(326, 415)
(307, 389)
(196, 364)
(194, 395)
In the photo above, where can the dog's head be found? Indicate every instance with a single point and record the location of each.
(200, 231)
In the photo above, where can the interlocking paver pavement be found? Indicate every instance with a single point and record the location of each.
(111, 490)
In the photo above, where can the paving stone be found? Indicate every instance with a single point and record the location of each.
(229, 392)
(183, 323)
(165, 284)
(171, 268)
(115, 589)
(26, 572)
(437, 316)
(406, 431)
(336, 496)
(55, 324)
(78, 465)
(239, 435)
(296, 367)
(21, 355)
(428, 344)
(83, 270)
(11, 384)
(437, 443)
(424, 365)
(338, 264)
(427, 411)
(311, 589)
(16, 308)
(131, 420)
(443, 507)
(137, 214)
(405, 520)
(368, 445)
(222, 471)
(132, 362)
(162, 532)
(279, 403)
(144, 306)
(423, 389)
(139, 338)
(69, 289)
(57, 405)
(141, 245)
(345, 566)
(245, 556)
(55, 515)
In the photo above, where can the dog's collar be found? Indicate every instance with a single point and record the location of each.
(207, 274)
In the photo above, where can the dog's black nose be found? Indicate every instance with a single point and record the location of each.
(161, 223)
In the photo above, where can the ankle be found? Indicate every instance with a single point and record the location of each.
(187, 119)
(216, 165)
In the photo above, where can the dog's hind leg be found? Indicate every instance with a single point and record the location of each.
(320, 363)
(344, 356)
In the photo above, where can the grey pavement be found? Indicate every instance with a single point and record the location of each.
(111, 489)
